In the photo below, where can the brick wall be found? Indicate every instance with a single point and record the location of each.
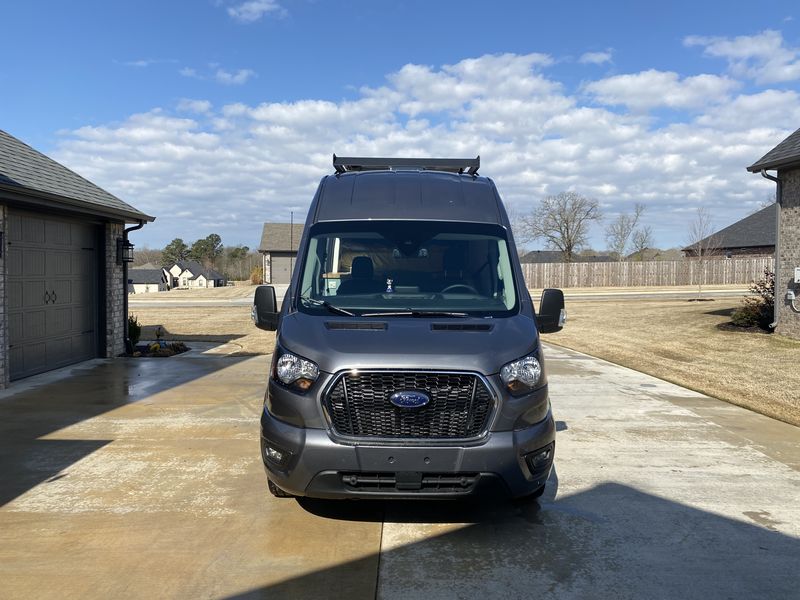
(115, 293)
(788, 319)
(4, 366)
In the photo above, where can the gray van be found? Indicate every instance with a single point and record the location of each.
(407, 361)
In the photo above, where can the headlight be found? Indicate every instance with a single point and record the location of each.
(296, 372)
(521, 376)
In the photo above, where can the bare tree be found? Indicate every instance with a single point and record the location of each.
(702, 245)
(619, 231)
(642, 240)
(562, 221)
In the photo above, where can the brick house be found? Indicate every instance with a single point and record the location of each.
(63, 265)
(785, 160)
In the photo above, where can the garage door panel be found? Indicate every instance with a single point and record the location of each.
(59, 321)
(34, 294)
(26, 229)
(34, 326)
(59, 352)
(15, 258)
(61, 292)
(33, 262)
(15, 327)
(52, 293)
(59, 263)
(14, 294)
(59, 233)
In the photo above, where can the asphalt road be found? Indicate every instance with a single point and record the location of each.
(140, 478)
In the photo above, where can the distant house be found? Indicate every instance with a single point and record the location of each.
(278, 248)
(784, 159)
(556, 256)
(145, 281)
(190, 274)
(752, 236)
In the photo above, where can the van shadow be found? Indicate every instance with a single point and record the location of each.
(610, 541)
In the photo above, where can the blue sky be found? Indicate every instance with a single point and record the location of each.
(218, 115)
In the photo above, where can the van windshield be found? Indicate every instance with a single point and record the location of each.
(414, 268)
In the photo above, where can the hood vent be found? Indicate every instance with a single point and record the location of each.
(350, 325)
(461, 327)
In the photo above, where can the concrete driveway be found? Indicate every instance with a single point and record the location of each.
(141, 478)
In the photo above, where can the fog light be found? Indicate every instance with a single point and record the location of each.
(275, 455)
(541, 459)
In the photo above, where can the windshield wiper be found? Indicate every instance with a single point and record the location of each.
(328, 305)
(416, 313)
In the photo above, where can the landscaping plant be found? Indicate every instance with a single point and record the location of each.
(757, 310)
(134, 330)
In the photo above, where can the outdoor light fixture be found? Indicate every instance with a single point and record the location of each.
(124, 251)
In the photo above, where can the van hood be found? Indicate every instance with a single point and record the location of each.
(460, 344)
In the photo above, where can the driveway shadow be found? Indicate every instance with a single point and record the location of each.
(89, 391)
(610, 541)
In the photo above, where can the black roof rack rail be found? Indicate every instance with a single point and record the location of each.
(451, 165)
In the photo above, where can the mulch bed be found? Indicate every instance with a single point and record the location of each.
(159, 350)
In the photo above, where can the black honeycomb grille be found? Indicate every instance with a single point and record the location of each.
(459, 407)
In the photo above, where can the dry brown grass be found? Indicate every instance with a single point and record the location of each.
(207, 324)
(679, 341)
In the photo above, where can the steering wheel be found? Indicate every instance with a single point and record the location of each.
(456, 286)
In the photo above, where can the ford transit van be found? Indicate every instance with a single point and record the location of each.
(407, 361)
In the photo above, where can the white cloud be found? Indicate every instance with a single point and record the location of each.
(220, 75)
(235, 166)
(194, 106)
(595, 58)
(236, 78)
(652, 89)
(763, 57)
(253, 10)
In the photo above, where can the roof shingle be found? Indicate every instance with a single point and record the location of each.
(26, 169)
(784, 155)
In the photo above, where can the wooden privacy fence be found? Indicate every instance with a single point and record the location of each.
(717, 271)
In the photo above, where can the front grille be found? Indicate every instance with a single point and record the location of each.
(358, 405)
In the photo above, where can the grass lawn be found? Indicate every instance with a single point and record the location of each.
(679, 341)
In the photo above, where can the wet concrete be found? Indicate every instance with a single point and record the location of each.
(141, 478)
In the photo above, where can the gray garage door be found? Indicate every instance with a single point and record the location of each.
(282, 265)
(52, 292)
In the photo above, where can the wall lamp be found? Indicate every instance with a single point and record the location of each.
(124, 251)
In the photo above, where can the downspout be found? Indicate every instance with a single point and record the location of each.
(128, 345)
(778, 198)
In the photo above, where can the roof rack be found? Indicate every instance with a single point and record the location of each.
(451, 165)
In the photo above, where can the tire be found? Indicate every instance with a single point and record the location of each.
(276, 491)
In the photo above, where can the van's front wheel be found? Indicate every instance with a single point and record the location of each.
(276, 491)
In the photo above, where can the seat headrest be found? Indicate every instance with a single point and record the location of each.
(362, 268)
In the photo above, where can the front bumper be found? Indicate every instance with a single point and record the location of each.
(314, 465)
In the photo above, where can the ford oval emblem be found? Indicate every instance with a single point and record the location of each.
(409, 399)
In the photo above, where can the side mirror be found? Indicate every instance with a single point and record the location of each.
(551, 315)
(265, 308)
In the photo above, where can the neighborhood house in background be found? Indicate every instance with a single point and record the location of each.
(278, 248)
